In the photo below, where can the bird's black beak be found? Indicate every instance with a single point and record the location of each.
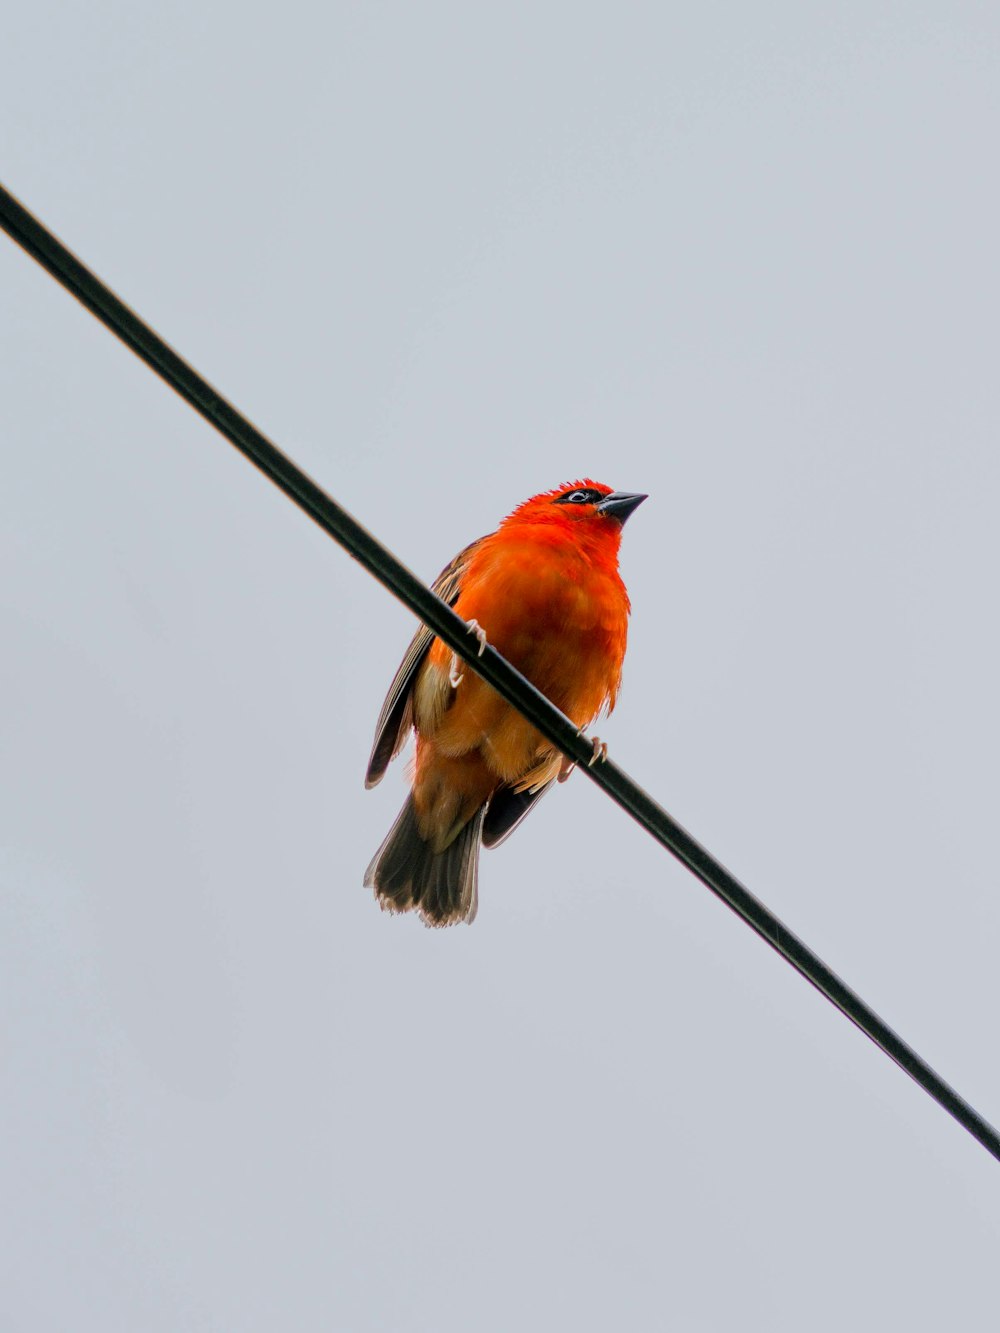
(619, 504)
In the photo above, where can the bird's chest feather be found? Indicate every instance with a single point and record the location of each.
(559, 616)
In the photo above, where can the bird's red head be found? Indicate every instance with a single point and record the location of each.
(597, 507)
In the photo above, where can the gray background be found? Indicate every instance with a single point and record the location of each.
(743, 257)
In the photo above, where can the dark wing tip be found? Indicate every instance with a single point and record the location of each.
(378, 763)
(506, 809)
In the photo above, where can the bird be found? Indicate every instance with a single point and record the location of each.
(545, 591)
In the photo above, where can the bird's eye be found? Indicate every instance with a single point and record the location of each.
(581, 497)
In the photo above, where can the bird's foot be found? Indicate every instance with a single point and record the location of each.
(600, 754)
(600, 749)
(477, 629)
(455, 673)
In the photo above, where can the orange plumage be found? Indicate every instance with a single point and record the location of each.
(546, 592)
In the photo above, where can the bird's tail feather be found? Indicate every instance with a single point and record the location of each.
(407, 875)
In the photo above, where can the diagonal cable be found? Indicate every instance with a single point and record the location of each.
(53, 256)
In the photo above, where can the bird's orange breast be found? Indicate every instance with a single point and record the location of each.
(558, 613)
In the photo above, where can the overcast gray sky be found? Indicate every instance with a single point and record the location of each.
(742, 257)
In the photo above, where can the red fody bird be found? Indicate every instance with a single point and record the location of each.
(545, 591)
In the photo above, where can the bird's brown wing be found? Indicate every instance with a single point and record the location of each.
(396, 717)
(505, 811)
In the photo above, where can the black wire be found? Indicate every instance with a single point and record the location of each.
(33, 237)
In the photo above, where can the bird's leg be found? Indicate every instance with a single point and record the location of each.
(455, 674)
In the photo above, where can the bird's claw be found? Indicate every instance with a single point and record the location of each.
(600, 754)
(477, 629)
(455, 673)
(600, 749)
